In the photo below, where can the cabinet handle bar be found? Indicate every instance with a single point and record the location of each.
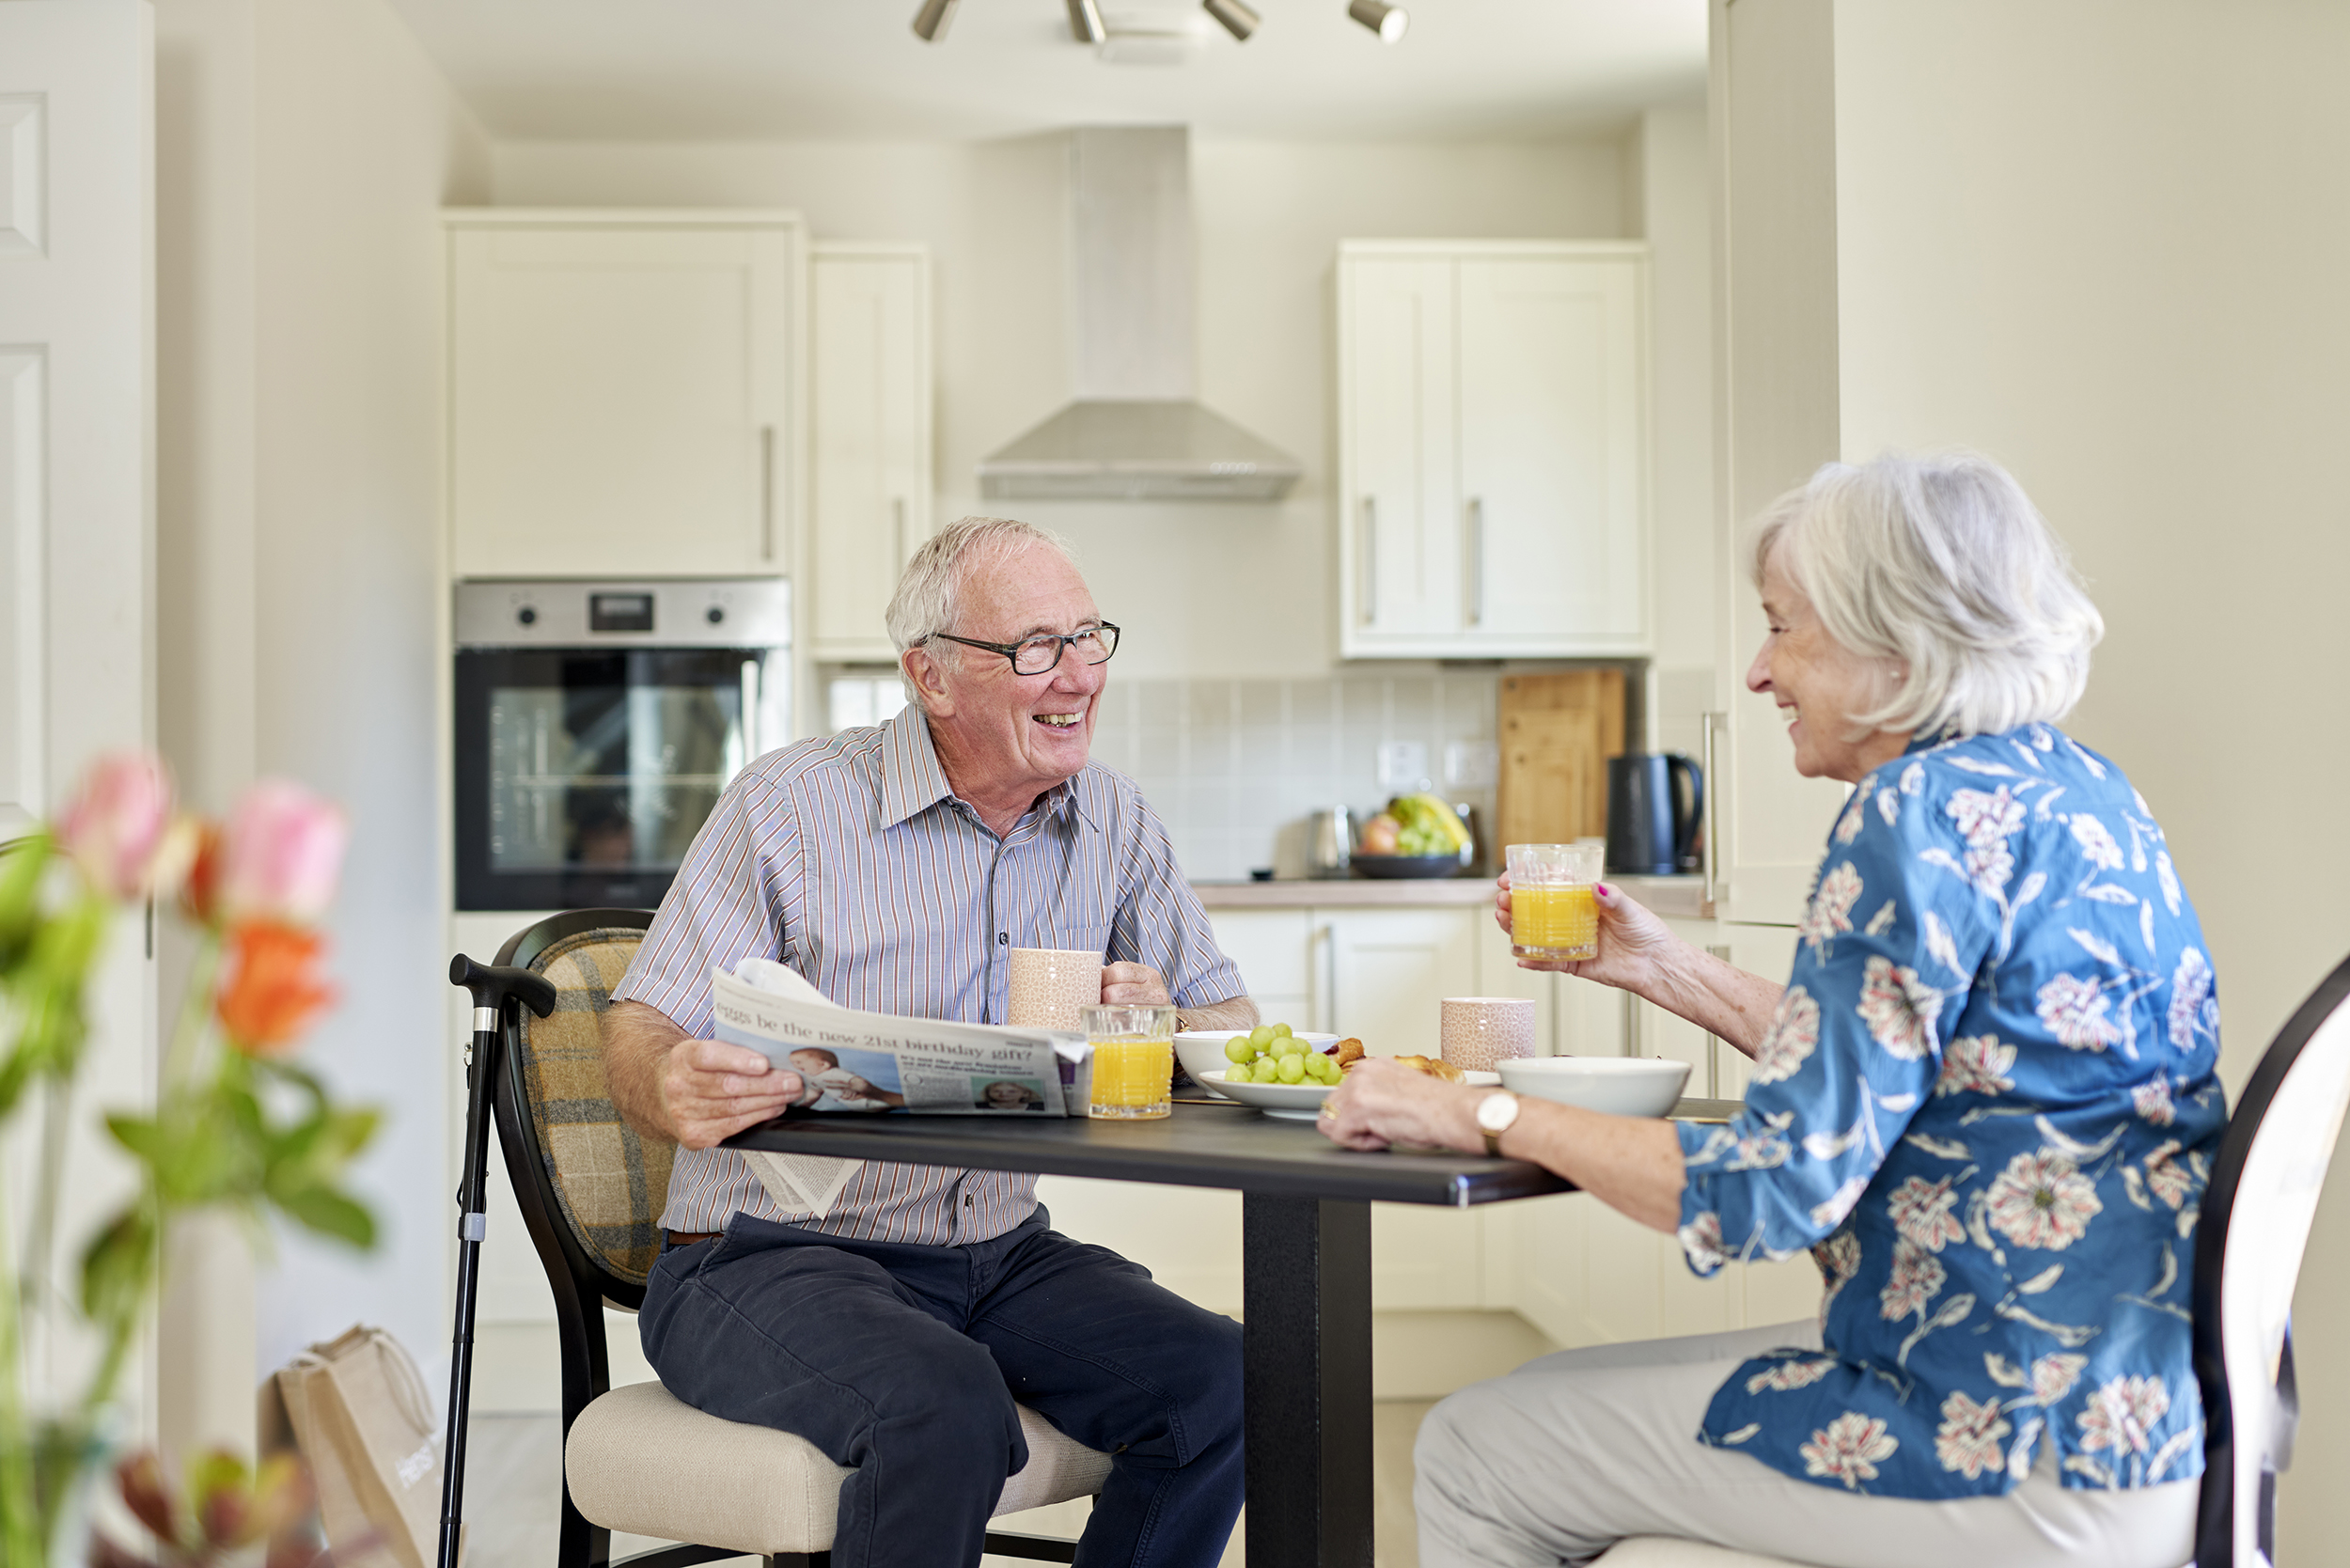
(1370, 561)
(1477, 560)
(766, 493)
(897, 523)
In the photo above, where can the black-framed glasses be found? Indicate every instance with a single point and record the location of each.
(1037, 654)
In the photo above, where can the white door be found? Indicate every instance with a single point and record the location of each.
(1398, 539)
(619, 396)
(77, 492)
(1553, 454)
(870, 440)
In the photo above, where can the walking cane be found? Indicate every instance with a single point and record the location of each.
(492, 988)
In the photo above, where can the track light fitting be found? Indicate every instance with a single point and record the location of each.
(930, 23)
(1237, 17)
(1387, 21)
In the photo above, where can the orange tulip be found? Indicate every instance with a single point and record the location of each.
(273, 990)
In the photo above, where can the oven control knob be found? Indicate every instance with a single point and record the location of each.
(527, 615)
(715, 615)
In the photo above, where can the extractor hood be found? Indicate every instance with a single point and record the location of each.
(1135, 432)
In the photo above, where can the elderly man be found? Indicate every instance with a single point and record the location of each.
(896, 866)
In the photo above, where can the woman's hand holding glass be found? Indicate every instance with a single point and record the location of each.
(1636, 948)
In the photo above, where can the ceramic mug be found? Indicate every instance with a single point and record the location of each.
(1049, 984)
(1479, 1033)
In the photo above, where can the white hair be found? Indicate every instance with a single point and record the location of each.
(1940, 568)
(930, 593)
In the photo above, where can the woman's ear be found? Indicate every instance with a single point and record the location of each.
(929, 679)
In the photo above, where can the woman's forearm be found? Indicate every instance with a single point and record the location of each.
(1718, 997)
(1631, 1164)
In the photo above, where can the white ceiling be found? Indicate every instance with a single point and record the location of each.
(728, 69)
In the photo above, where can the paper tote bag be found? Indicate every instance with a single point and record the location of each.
(363, 1419)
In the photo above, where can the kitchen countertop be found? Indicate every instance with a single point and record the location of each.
(1680, 897)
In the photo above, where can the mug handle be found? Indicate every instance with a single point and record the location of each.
(1679, 766)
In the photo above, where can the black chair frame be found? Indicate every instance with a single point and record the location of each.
(583, 1286)
(2216, 1511)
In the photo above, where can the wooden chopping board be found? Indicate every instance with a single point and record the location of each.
(1557, 735)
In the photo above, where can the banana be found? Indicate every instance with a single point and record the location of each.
(1424, 808)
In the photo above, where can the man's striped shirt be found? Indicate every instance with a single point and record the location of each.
(850, 859)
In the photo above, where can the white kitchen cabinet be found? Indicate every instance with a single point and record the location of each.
(1387, 968)
(1493, 448)
(1274, 950)
(869, 438)
(624, 392)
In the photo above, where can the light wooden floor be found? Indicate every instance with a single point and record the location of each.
(513, 1479)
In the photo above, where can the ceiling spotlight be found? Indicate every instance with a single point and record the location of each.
(1237, 17)
(1085, 22)
(1386, 20)
(931, 20)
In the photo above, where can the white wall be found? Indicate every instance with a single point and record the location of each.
(307, 148)
(1268, 217)
(2105, 244)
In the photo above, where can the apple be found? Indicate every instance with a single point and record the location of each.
(1379, 835)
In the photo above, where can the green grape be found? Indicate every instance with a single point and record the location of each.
(1289, 1045)
(1266, 1071)
(1282, 1029)
(1238, 1050)
(1260, 1036)
(1292, 1070)
(1323, 1067)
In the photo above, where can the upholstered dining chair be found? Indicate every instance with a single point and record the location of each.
(2249, 1245)
(591, 1191)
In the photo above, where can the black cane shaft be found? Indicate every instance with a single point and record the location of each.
(471, 1204)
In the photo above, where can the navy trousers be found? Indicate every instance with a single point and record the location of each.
(902, 1363)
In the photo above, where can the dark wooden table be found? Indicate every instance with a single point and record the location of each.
(1305, 1259)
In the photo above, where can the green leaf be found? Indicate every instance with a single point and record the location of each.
(332, 1214)
(117, 1266)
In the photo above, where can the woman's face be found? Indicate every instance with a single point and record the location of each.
(1819, 685)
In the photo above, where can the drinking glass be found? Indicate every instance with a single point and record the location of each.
(1133, 1061)
(1554, 905)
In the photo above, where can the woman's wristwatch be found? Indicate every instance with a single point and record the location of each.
(1496, 1113)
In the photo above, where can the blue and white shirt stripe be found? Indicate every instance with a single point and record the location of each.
(850, 859)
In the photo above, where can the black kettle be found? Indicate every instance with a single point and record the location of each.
(1653, 821)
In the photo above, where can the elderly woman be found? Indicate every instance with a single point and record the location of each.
(1984, 1100)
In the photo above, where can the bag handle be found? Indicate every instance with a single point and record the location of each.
(407, 1383)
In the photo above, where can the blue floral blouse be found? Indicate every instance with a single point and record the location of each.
(1988, 1104)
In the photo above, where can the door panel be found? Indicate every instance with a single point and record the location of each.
(1399, 556)
(1552, 450)
(1390, 968)
(869, 468)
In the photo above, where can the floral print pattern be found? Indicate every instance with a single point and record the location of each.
(1989, 1110)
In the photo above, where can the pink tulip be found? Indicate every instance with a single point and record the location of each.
(120, 829)
(280, 857)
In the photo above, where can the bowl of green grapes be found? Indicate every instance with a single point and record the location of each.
(1260, 1051)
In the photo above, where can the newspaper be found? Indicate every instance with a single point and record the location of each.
(873, 1062)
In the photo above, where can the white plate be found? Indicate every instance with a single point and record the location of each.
(1303, 1102)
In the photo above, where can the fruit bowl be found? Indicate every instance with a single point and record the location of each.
(1383, 866)
(1288, 1101)
(1621, 1086)
(1201, 1052)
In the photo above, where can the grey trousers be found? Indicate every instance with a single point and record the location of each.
(1561, 1459)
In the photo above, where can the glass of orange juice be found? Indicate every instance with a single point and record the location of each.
(1133, 1061)
(1554, 905)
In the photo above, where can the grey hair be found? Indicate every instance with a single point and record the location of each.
(1941, 566)
(930, 593)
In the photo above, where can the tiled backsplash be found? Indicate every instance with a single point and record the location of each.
(1235, 767)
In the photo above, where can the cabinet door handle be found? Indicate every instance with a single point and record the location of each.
(897, 527)
(750, 710)
(1370, 561)
(1709, 726)
(1325, 1007)
(1476, 560)
(766, 493)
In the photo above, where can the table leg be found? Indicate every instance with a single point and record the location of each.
(1306, 1289)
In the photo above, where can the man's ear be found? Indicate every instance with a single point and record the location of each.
(929, 682)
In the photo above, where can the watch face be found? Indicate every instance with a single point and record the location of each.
(1495, 1111)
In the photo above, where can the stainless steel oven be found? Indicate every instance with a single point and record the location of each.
(597, 723)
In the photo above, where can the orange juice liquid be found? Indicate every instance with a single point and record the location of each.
(1131, 1077)
(1554, 921)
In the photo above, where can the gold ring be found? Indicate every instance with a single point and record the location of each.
(1328, 1110)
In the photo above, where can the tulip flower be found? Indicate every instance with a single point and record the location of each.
(278, 859)
(120, 829)
(273, 990)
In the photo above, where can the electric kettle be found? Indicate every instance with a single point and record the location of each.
(1651, 822)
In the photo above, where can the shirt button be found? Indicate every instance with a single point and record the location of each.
(966, 1201)
(1003, 937)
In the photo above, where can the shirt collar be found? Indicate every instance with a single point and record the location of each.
(913, 780)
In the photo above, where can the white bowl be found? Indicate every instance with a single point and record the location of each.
(1290, 1102)
(1621, 1086)
(1201, 1051)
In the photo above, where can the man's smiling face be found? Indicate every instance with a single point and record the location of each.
(1003, 735)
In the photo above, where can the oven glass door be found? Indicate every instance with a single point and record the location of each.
(583, 774)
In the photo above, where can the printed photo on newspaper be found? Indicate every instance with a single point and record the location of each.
(877, 1062)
